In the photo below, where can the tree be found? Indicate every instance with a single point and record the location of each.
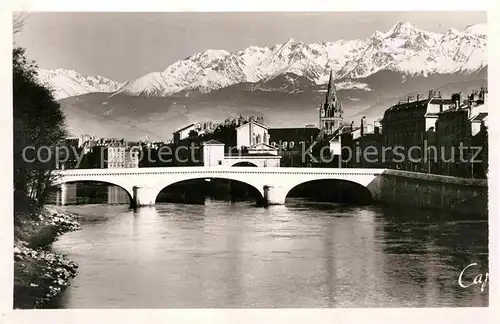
(18, 21)
(193, 134)
(225, 134)
(38, 126)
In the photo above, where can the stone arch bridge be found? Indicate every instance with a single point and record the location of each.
(144, 184)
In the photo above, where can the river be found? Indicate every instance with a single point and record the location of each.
(303, 254)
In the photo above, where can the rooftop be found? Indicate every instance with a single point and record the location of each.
(212, 142)
(411, 104)
(441, 101)
(253, 121)
(183, 128)
(262, 147)
(251, 155)
(479, 117)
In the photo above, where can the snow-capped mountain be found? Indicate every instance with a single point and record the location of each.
(68, 83)
(403, 48)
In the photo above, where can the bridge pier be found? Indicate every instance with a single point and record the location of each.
(64, 194)
(274, 195)
(143, 196)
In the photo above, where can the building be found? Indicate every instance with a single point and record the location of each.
(361, 145)
(331, 111)
(213, 153)
(408, 131)
(259, 155)
(292, 142)
(252, 141)
(184, 132)
(291, 139)
(206, 127)
(121, 156)
(253, 151)
(463, 125)
(251, 134)
(83, 139)
(479, 167)
(107, 153)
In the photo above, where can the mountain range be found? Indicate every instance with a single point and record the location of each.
(69, 83)
(284, 82)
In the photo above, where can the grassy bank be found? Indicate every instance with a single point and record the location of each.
(40, 275)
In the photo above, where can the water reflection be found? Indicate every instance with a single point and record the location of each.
(89, 193)
(304, 254)
(431, 250)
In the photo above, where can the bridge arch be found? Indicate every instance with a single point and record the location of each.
(125, 187)
(329, 189)
(244, 164)
(257, 190)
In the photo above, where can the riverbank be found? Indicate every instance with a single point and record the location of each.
(40, 275)
(458, 196)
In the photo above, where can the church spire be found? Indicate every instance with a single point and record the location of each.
(331, 113)
(330, 93)
(340, 109)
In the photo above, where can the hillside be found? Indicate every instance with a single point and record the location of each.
(135, 117)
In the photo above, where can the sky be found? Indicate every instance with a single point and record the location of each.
(125, 46)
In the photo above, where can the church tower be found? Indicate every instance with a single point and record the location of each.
(331, 111)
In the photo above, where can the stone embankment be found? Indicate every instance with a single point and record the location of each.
(40, 275)
(459, 196)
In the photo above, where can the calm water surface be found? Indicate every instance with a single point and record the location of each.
(303, 254)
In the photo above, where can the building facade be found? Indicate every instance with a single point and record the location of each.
(213, 153)
(121, 156)
(361, 145)
(250, 134)
(292, 142)
(408, 132)
(184, 132)
(256, 155)
(461, 136)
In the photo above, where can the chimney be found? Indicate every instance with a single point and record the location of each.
(431, 94)
(418, 96)
(439, 94)
(352, 125)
